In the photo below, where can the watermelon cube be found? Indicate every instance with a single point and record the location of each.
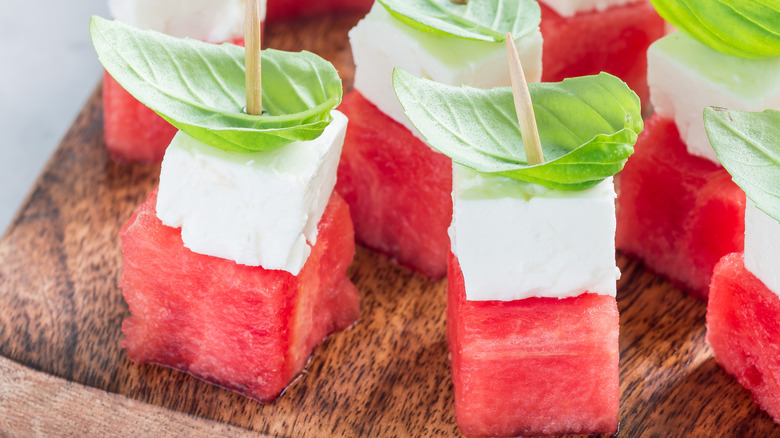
(677, 212)
(614, 40)
(286, 9)
(743, 328)
(537, 366)
(397, 187)
(244, 328)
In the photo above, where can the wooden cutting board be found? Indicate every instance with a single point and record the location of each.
(61, 311)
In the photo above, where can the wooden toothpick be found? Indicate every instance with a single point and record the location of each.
(460, 2)
(523, 106)
(253, 41)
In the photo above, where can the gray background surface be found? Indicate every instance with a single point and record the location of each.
(47, 71)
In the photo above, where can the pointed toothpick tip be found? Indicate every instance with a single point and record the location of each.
(252, 42)
(523, 106)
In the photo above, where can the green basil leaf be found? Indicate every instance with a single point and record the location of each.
(743, 28)
(748, 146)
(587, 127)
(484, 20)
(200, 87)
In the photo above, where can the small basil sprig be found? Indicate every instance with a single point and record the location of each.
(587, 127)
(748, 146)
(743, 28)
(484, 20)
(200, 88)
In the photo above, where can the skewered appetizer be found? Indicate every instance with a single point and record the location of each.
(398, 189)
(585, 37)
(531, 314)
(236, 269)
(133, 132)
(743, 312)
(679, 212)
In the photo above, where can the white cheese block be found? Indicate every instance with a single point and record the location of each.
(381, 42)
(516, 240)
(685, 76)
(257, 209)
(214, 21)
(762, 246)
(569, 8)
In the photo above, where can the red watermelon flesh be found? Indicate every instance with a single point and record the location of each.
(398, 189)
(677, 212)
(743, 328)
(614, 40)
(286, 9)
(538, 366)
(244, 328)
(132, 132)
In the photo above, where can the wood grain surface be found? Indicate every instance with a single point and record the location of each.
(36, 404)
(61, 312)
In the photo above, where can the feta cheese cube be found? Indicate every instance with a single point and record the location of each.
(516, 240)
(257, 209)
(381, 42)
(569, 8)
(214, 21)
(685, 76)
(762, 246)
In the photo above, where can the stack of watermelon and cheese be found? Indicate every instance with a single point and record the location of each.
(532, 319)
(678, 210)
(236, 268)
(531, 311)
(585, 37)
(397, 187)
(132, 132)
(743, 310)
